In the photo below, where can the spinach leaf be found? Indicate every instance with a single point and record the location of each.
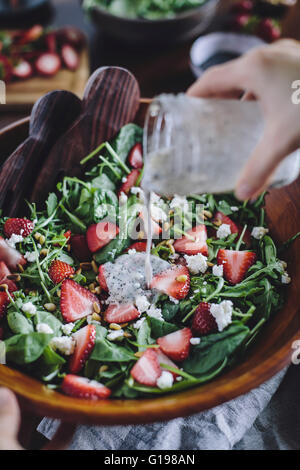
(170, 310)
(144, 335)
(111, 251)
(160, 328)
(106, 351)
(103, 182)
(128, 136)
(24, 349)
(49, 319)
(18, 323)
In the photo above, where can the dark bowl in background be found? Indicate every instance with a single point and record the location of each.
(181, 28)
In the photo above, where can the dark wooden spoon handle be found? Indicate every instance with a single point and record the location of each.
(111, 100)
(51, 116)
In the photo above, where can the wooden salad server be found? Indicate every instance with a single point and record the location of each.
(111, 100)
(51, 116)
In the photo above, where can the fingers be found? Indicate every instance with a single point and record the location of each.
(62, 438)
(225, 81)
(9, 420)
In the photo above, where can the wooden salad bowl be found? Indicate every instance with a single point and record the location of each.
(271, 353)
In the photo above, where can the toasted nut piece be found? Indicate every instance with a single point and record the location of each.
(166, 226)
(124, 325)
(181, 278)
(96, 307)
(207, 214)
(218, 223)
(33, 293)
(68, 247)
(86, 266)
(139, 354)
(94, 266)
(4, 287)
(114, 326)
(37, 236)
(92, 286)
(79, 271)
(96, 317)
(141, 235)
(103, 369)
(170, 242)
(171, 212)
(97, 290)
(14, 277)
(58, 292)
(20, 268)
(44, 252)
(209, 264)
(50, 307)
(42, 239)
(127, 334)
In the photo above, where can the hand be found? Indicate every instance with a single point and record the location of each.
(10, 423)
(265, 74)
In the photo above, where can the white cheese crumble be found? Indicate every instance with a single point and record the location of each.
(234, 208)
(283, 265)
(44, 328)
(222, 313)
(138, 192)
(68, 328)
(132, 251)
(115, 334)
(155, 313)
(259, 232)
(217, 270)
(158, 214)
(139, 323)
(195, 341)
(223, 231)
(31, 256)
(285, 278)
(180, 203)
(165, 380)
(13, 240)
(175, 301)
(179, 378)
(29, 308)
(123, 198)
(142, 303)
(64, 344)
(124, 179)
(196, 263)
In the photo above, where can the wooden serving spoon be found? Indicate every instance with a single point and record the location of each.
(111, 100)
(51, 116)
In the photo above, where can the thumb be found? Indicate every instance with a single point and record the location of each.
(9, 420)
(257, 172)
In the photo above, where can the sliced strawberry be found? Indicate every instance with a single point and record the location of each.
(76, 301)
(59, 271)
(175, 282)
(147, 369)
(22, 227)
(204, 322)
(85, 341)
(234, 227)
(140, 247)
(31, 34)
(135, 157)
(130, 182)
(48, 64)
(101, 278)
(235, 264)
(80, 248)
(191, 247)
(121, 313)
(80, 387)
(176, 345)
(163, 359)
(99, 235)
(156, 228)
(5, 69)
(10, 256)
(4, 272)
(68, 234)
(23, 70)
(4, 301)
(70, 57)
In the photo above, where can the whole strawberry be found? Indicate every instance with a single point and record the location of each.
(203, 322)
(240, 21)
(15, 226)
(245, 6)
(59, 271)
(268, 30)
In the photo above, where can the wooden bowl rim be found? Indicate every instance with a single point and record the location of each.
(38, 398)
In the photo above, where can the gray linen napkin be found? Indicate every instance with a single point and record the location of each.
(220, 428)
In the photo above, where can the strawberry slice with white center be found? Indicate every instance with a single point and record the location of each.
(121, 313)
(75, 301)
(101, 278)
(70, 57)
(81, 387)
(147, 369)
(99, 235)
(194, 243)
(85, 339)
(235, 264)
(156, 228)
(234, 227)
(4, 272)
(79, 247)
(10, 256)
(23, 70)
(135, 157)
(175, 282)
(48, 64)
(131, 180)
(176, 345)
(163, 359)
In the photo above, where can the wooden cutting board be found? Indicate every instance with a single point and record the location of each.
(27, 92)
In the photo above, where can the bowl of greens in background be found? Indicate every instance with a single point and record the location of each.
(150, 22)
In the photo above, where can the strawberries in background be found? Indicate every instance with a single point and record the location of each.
(23, 70)
(48, 64)
(70, 57)
(268, 30)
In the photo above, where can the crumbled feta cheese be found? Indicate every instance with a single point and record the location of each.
(165, 380)
(124, 179)
(180, 203)
(175, 301)
(115, 334)
(123, 198)
(155, 313)
(195, 341)
(31, 256)
(196, 263)
(217, 270)
(223, 231)
(259, 232)
(64, 344)
(179, 378)
(138, 192)
(132, 251)
(174, 257)
(285, 278)
(234, 208)
(222, 313)
(13, 240)
(158, 214)
(44, 328)
(29, 308)
(68, 328)
(283, 265)
(142, 303)
(139, 323)
(205, 283)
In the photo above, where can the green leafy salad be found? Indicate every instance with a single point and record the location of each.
(149, 9)
(76, 311)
